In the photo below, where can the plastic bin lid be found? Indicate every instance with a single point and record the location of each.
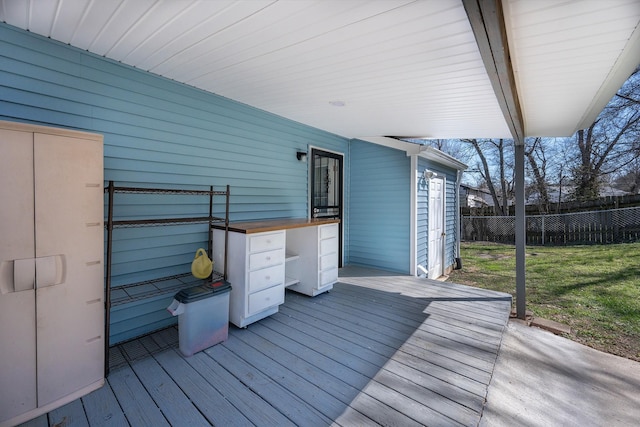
(197, 293)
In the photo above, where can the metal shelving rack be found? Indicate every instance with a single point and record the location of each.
(123, 294)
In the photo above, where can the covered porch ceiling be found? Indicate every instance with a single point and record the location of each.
(365, 68)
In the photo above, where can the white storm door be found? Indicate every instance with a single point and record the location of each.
(436, 227)
(17, 276)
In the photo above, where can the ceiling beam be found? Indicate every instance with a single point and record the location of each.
(487, 21)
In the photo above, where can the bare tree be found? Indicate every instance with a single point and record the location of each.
(498, 148)
(610, 143)
(535, 153)
(452, 147)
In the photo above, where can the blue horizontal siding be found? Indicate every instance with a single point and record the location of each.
(160, 133)
(422, 216)
(379, 207)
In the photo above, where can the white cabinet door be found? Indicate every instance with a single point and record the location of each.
(69, 235)
(17, 249)
(51, 270)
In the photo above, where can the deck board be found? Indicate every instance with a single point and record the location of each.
(174, 404)
(380, 348)
(102, 408)
(137, 405)
(203, 395)
(71, 414)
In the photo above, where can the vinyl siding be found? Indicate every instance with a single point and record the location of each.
(451, 209)
(379, 207)
(160, 133)
(422, 217)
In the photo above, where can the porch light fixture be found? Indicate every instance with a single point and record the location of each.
(429, 174)
(302, 156)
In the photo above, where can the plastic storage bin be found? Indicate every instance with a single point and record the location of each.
(203, 316)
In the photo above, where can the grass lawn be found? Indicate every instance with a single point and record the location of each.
(593, 289)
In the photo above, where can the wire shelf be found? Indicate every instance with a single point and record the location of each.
(164, 221)
(142, 190)
(165, 285)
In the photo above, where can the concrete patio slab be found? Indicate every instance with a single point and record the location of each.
(541, 379)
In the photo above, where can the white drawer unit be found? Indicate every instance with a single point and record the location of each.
(317, 248)
(266, 256)
(255, 271)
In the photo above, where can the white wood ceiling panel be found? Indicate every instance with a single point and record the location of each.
(141, 35)
(15, 12)
(66, 19)
(41, 22)
(193, 40)
(193, 22)
(301, 33)
(562, 53)
(119, 26)
(402, 67)
(365, 66)
(373, 49)
(93, 21)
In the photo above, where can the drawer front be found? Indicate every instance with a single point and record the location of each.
(266, 259)
(265, 278)
(328, 246)
(327, 231)
(329, 261)
(264, 299)
(266, 242)
(328, 276)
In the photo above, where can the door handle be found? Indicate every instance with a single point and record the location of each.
(49, 270)
(24, 274)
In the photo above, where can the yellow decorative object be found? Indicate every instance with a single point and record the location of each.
(202, 266)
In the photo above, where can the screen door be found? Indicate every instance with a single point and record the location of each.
(326, 188)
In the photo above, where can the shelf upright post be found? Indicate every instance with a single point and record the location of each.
(107, 299)
(210, 231)
(226, 233)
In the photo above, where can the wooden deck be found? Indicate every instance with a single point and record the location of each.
(378, 349)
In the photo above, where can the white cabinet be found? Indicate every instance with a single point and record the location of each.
(51, 269)
(255, 270)
(267, 256)
(316, 268)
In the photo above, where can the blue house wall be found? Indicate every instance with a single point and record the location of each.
(379, 207)
(160, 133)
(450, 215)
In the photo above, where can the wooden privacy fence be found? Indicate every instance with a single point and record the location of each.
(594, 227)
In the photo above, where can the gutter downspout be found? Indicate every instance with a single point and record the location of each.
(458, 259)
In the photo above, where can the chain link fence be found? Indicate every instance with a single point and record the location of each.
(594, 227)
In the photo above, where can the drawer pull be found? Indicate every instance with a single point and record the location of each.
(268, 258)
(268, 277)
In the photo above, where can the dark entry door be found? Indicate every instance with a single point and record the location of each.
(326, 185)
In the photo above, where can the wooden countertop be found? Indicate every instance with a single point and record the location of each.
(250, 227)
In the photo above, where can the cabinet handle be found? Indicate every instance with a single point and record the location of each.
(268, 277)
(268, 258)
(268, 240)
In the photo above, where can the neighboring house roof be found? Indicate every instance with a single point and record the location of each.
(470, 188)
(402, 68)
(475, 197)
(564, 194)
